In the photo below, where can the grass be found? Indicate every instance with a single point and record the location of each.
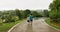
(53, 24)
(6, 26)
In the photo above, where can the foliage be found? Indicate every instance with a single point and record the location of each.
(6, 26)
(36, 14)
(46, 13)
(53, 24)
(55, 10)
(14, 15)
(18, 13)
(26, 12)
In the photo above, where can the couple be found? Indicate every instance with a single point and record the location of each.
(30, 18)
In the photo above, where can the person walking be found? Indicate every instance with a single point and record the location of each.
(31, 18)
(28, 19)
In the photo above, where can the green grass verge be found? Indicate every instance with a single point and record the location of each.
(53, 24)
(6, 26)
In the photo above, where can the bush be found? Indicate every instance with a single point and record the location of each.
(55, 10)
(36, 14)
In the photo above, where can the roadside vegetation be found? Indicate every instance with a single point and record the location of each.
(6, 26)
(53, 24)
(54, 14)
(9, 18)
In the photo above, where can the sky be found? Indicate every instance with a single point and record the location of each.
(24, 4)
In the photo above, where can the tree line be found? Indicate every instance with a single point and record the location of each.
(54, 13)
(15, 15)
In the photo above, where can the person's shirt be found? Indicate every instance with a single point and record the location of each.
(31, 17)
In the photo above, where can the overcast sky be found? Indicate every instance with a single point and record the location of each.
(24, 4)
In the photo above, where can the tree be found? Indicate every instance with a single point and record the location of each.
(36, 14)
(18, 13)
(55, 10)
(46, 13)
(26, 12)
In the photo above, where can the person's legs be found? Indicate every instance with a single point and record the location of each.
(31, 22)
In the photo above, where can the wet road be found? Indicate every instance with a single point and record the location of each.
(38, 25)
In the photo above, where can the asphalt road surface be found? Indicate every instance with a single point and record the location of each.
(38, 25)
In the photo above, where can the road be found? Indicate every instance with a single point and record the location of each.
(38, 25)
